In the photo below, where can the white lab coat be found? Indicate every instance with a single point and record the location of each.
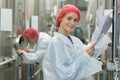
(39, 49)
(67, 61)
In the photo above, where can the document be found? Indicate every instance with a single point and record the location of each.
(103, 25)
(107, 21)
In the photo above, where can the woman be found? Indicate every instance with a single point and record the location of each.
(67, 57)
(40, 41)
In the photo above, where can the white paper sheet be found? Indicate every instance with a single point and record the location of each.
(103, 23)
(109, 12)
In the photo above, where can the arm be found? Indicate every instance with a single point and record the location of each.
(37, 55)
(66, 62)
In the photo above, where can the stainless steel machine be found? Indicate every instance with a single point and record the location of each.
(7, 60)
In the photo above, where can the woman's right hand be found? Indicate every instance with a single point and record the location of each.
(27, 50)
(20, 51)
(90, 49)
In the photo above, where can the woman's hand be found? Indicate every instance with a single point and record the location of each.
(20, 51)
(27, 50)
(90, 49)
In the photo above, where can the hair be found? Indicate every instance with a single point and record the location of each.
(31, 33)
(66, 9)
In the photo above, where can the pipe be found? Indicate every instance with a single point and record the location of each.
(7, 61)
(30, 71)
(37, 72)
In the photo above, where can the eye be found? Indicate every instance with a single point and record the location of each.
(72, 19)
(75, 20)
(69, 18)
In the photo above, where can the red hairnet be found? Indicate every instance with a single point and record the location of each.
(31, 33)
(66, 9)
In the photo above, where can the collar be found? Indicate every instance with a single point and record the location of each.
(64, 38)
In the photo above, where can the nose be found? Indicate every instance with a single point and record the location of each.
(73, 22)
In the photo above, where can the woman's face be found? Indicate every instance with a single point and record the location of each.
(30, 40)
(69, 22)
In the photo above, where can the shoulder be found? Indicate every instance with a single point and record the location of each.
(44, 35)
(57, 41)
